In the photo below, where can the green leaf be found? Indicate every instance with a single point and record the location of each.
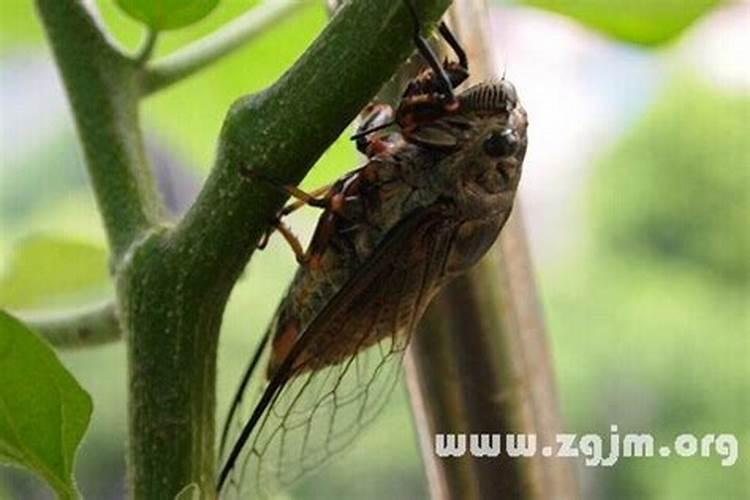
(190, 492)
(643, 22)
(43, 270)
(167, 14)
(43, 411)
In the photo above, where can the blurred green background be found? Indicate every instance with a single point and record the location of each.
(646, 301)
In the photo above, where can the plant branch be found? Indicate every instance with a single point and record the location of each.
(84, 327)
(103, 93)
(201, 53)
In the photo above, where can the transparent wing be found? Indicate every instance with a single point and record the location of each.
(316, 414)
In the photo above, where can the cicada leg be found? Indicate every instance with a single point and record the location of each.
(298, 203)
(377, 117)
(450, 39)
(278, 225)
(427, 97)
(344, 205)
(315, 198)
(292, 240)
(430, 95)
(285, 230)
(346, 211)
(265, 238)
(423, 47)
(312, 199)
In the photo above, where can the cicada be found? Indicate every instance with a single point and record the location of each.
(436, 190)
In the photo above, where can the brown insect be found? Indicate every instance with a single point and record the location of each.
(432, 198)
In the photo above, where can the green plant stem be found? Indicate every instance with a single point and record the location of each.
(103, 92)
(84, 327)
(201, 53)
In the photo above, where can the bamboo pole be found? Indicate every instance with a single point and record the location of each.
(480, 362)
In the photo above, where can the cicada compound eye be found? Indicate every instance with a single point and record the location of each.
(501, 143)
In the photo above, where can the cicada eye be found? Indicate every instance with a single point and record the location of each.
(501, 143)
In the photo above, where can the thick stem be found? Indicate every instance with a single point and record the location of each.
(103, 93)
(173, 321)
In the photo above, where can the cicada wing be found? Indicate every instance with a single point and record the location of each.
(315, 414)
(244, 390)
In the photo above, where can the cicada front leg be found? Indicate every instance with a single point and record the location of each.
(426, 98)
(430, 95)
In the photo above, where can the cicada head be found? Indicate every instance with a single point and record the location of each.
(481, 146)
